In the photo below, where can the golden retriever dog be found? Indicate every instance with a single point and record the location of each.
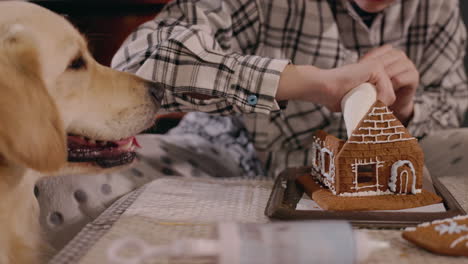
(57, 104)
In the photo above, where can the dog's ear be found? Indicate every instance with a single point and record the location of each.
(31, 130)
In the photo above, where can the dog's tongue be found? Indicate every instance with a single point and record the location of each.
(126, 141)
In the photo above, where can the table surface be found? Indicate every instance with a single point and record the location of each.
(173, 208)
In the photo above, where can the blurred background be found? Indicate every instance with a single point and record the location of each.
(464, 11)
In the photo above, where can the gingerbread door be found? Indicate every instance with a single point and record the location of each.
(403, 177)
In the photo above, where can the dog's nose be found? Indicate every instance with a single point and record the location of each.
(156, 91)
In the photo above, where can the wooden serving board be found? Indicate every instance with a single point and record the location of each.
(287, 193)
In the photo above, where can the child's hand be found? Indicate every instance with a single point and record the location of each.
(404, 77)
(345, 78)
(327, 87)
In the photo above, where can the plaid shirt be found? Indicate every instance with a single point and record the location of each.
(233, 52)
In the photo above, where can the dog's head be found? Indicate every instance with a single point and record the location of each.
(31, 132)
(53, 92)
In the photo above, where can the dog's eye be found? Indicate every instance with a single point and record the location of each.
(77, 64)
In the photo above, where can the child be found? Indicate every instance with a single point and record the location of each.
(248, 57)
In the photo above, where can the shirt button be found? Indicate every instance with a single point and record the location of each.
(252, 99)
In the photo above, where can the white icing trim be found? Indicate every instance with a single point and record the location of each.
(458, 240)
(366, 193)
(459, 217)
(380, 128)
(380, 108)
(377, 114)
(330, 175)
(394, 172)
(380, 141)
(450, 228)
(318, 166)
(381, 134)
(379, 121)
(323, 181)
(316, 147)
(373, 138)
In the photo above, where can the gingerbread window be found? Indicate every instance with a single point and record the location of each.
(316, 156)
(366, 174)
(326, 162)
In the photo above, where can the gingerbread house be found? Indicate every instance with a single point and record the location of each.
(380, 157)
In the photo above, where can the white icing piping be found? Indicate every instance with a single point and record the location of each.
(380, 141)
(375, 135)
(394, 172)
(380, 128)
(330, 175)
(373, 138)
(315, 163)
(451, 228)
(327, 178)
(380, 108)
(447, 220)
(460, 217)
(458, 240)
(379, 121)
(366, 193)
(377, 114)
(320, 179)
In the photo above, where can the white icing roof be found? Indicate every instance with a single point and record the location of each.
(379, 125)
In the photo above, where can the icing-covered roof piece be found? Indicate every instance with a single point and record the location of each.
(379, 125)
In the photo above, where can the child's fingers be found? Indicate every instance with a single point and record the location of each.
(403, 73)
(404, 79)
(397, 68)
(390, 58)
(377, 52)
(382, 82)
(385, 92)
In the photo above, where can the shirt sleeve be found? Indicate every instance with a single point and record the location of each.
(442, 99)
(200, 52)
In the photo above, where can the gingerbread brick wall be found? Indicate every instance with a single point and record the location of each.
(379, 147)
(378, 140)
(388, 153)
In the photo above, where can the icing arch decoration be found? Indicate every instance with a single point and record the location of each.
(394, 176)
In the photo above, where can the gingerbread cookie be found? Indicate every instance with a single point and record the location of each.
(447, 237)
